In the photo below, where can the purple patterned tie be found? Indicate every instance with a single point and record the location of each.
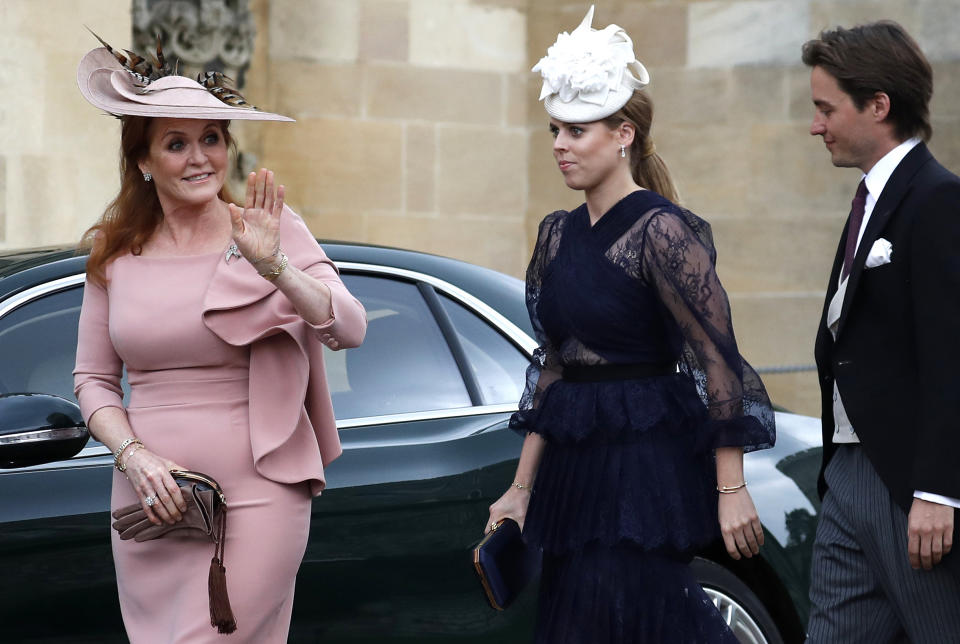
(853, 230)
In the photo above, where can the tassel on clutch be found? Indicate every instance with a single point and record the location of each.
(207, 514)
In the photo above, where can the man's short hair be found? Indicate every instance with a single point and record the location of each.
(879, 57)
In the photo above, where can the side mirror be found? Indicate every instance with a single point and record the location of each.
(39, 428)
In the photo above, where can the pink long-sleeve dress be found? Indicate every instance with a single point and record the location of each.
(226, 379)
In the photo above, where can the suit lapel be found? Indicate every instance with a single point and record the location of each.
(893, 193)
(833, 283)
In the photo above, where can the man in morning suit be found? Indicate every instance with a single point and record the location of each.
(888, 353)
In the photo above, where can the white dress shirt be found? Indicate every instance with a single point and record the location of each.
(875, 181)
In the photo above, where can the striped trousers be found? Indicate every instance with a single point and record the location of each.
(862, 586)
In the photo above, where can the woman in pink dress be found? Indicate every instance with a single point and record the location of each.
(219, 314)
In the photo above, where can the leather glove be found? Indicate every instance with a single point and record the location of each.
(132, 522)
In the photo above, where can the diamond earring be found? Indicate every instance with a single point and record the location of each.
(623, 152)
(149, 177)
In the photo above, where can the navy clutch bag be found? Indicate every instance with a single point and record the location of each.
(504, 563)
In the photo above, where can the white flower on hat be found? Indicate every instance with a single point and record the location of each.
(584, 64)
(589, 66)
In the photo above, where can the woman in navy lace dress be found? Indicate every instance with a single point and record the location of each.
(638, 406)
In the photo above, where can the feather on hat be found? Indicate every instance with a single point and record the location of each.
(132, 85)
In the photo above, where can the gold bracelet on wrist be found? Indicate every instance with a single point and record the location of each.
(275, 273)
(266, 257)
(123, 446)
(731, 489)
(133, 450)
(521, 486)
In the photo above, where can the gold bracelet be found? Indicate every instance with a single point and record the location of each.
(521, 486)
(731, 489)
(275, 273)
(133, 450)
(124, 445)
(265, 257)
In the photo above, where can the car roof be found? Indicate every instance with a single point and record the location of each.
(14, 261)
(21, 269)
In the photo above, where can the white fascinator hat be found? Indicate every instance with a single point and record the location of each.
(589, 74)
(129, 84)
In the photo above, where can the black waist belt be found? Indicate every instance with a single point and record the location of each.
(601, 372)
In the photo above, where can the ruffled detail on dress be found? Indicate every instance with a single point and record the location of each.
(611, 411)
(626, 461)
(293, 430)
(624, 596)
(620, 466)
(652, 492)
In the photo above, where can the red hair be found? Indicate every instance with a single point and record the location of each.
(134, 214)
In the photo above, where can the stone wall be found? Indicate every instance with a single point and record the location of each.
(418, 126)
(411, 127)
(58, 156)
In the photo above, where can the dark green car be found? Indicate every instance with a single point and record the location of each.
(423, 422)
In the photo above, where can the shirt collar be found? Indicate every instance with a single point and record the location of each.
(880, 173)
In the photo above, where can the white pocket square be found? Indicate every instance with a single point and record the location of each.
(880, 253)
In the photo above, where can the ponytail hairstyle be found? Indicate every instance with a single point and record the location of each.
(134, 214)
(648, 169)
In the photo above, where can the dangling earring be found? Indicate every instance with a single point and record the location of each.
(147, 177)
(623, 152)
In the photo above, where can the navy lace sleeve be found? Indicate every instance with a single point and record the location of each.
(679, 260)
(545, 365)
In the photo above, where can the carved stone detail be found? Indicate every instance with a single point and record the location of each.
(204, 35)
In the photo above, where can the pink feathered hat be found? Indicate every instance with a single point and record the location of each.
(138, 88)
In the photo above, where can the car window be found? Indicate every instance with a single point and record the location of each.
(38, 345)
(404, 363)
(498, 366)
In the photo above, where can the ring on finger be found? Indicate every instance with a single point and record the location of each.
(150, 501)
